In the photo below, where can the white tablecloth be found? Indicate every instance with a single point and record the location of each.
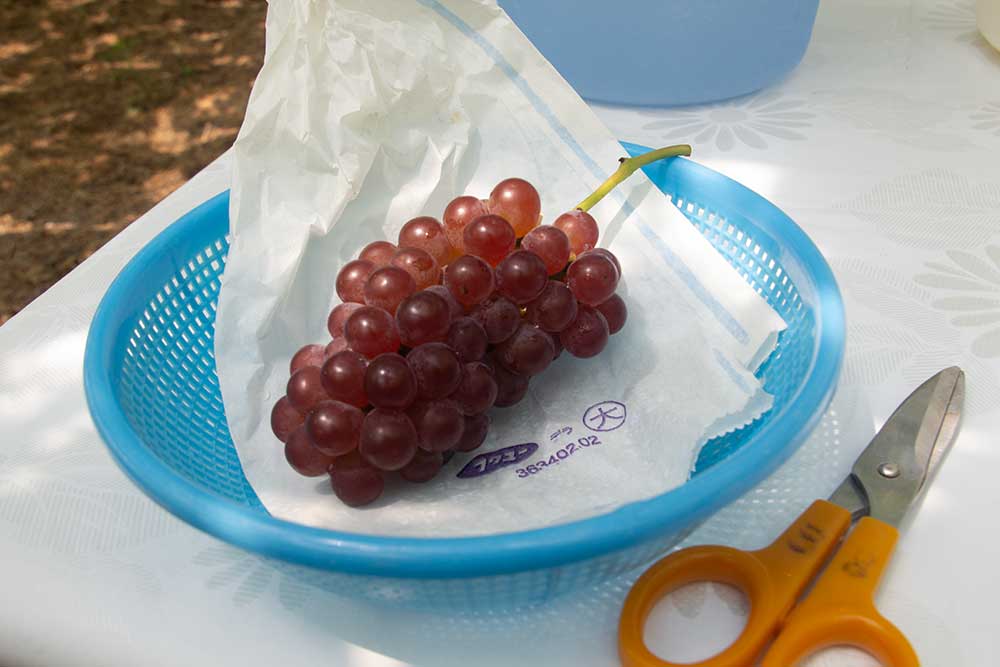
(884, 145)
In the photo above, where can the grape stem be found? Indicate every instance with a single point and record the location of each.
(627, 168)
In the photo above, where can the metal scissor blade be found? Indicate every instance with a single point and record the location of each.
(895, 466)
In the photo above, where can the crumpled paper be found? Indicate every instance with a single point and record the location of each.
(369, 113)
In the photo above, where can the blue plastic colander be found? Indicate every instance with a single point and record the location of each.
(151, 385)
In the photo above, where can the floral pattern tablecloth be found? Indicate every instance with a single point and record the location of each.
(884, 145)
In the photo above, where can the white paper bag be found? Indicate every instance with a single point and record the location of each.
(368, 113)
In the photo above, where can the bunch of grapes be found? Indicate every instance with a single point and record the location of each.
(433, 332)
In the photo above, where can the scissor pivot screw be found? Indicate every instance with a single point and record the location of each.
(888, 470)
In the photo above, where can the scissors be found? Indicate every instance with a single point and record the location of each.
(885, 481)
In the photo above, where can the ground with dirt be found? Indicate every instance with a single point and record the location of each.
(106, 106)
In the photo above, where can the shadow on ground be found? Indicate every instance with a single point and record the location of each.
(106, 106)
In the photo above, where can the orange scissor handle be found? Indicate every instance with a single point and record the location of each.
(840, 610)
(772, 578)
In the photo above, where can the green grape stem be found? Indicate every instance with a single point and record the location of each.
(627, 167)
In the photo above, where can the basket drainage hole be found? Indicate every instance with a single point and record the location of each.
(696, 621)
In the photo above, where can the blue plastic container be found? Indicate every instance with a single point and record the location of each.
(154, 396)
(667, 52)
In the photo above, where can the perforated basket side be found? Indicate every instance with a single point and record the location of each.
(168, 386)
(757, 258)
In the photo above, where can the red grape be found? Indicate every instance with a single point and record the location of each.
(587, 335)
(468, 338)
(379, 253)
(521, 276)
(338, 316)
(285, 418)
(343, 377)
(477, 390)
(459, 213)
(581, 228)
(305, 389)
(592, 278)
(334, 346)
(473, 433)
(528, 352)
(551, 244)
(388, 439)
(490, 238)
(387, 287)
(308, 355)
(427, 234)
(454, 307)
(511, 387)
(334, 427)
(516, 201)
(422, 318)
(615, 312)
(469, 279)
(419, 264)
(351, 280)
(607, 254)
(389, 382)
(499, 317)
(354, 481)
(436, 368)
(439, 425)
(554, 308)
(303, 456)
(423, 467)
(371, 331)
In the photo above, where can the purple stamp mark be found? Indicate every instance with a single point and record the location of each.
(559, 455)
(605, 416)
(488, 462)
(565, 430)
